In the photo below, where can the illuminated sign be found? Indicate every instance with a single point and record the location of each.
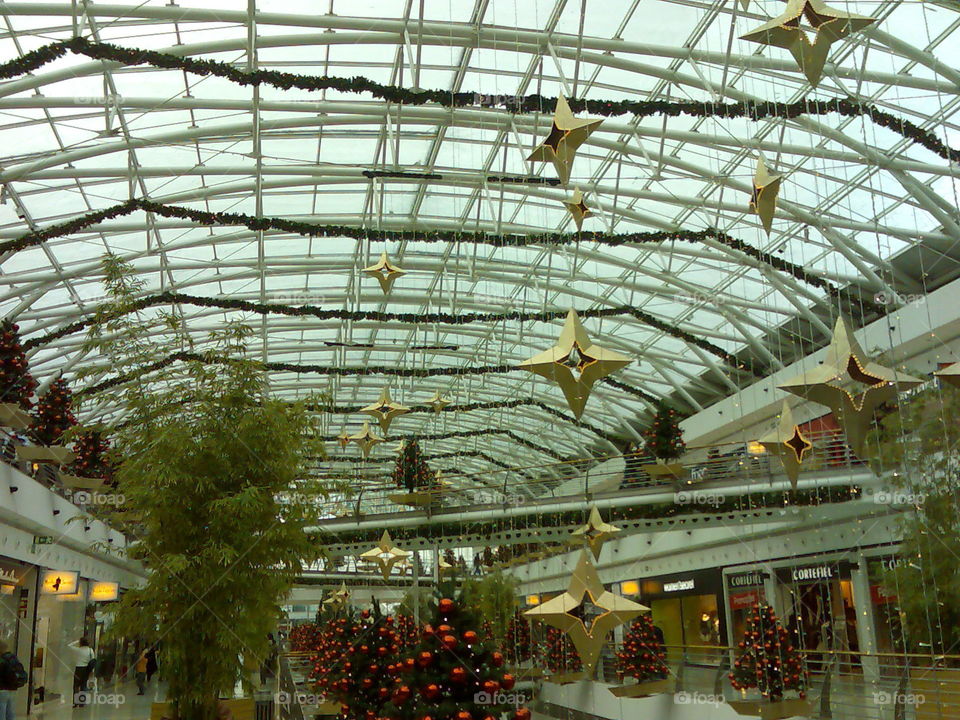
(104, 591)
(60, 582)
(6, 589)
(747, 579)
(629, 587)
(533, 599)
(679, 585)
(817, 572)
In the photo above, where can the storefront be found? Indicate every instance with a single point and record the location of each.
(743, 590)
(883, 605)
(17, 595)
(686, 608)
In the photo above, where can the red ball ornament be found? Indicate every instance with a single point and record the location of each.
(446, 606)
(464, 715)
(470, 637)
(508, 682)
(431, 691)
(458, 675)
(449, 642)
(444, 630)
(424, 659)
(521, 714)
(497, 658)
(490, 686)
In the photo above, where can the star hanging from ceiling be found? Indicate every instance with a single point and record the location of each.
(788, 443)
(575, 363)
(385, 272)
(846, 363)
(385, 410)
(763, 199)
(829, 25)
(595, 533)
(578, 208)
(438, 402)
(585, 590)
(366, 439)
(384, 555)
(566, 135)
(338, 598)
(950, 374)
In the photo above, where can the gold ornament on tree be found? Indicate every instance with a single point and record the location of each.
(578, 208)
(766, 188)
(366, 439)
(829, 26)
(566, 135)
(384, 555)
(338, 598)
(385, 272)
(584, 595)
(845, 364)
(788, 443)
(594, 533)
(575, 363)
(385, 410)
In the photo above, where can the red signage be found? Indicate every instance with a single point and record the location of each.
(741, 600)
(879, 597)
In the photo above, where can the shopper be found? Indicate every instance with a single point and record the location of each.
(83, 666)
(152, 665)
(268, 666)
(12, 678)
(140, 672)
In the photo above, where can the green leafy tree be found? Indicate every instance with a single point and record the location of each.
(217, 473)
(494, 596)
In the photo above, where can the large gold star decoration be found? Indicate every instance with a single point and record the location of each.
(366, 439)
(763, 199)
(385, 272)
(586, 633)
(950, 374)
(437, 403)
(338, 598)
(566, 135)
(788, 443)
(384, 555)
(575, 363)
(595, 533)
(385, 410)
(829, 25)
(578, 208)
(845, 363)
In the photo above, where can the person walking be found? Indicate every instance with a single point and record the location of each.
(152, 665)
(140, 672)
(12, 678)
(83, 666)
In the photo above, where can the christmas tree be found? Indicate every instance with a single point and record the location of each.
(664, 439)
(560, 656)
(328, 643)
(356, 679)
(16, 382)
(412, 471)
(768, 661)
(518, 645)
(53, 415)
(455, 674)
(408, 632)
(91, 461)
(305, 638)
(642, 655)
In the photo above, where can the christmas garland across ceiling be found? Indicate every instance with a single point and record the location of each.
(754, 110)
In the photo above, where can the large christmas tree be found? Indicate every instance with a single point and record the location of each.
(455, 674)
(768, 661)
(305, 637)
(518, 645)
(411, 471)
(328, 643)
(664, 439)
(53, 415)
(559, 654)
(16, 382)
(91, 449)
(642, 655)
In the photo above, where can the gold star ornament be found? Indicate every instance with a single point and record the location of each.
(575, 363)
(366, 439)
(766, 188)
(829, 26)
(844, 365)
(437, 403)
(385, 272)
(338, 598)
(788, 443)
(385, 410)
(578, 208)
(566, 135)
(573, 612)
(595, 533)
(384, 555)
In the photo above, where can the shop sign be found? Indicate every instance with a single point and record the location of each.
(746, 579)
(11, 574)
(104, 591)
(679, 585)
(60, 582)
(878, 596)
(741, 600)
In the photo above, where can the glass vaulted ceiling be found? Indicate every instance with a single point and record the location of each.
(860, 206)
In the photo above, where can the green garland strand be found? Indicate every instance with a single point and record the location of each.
(754, 110)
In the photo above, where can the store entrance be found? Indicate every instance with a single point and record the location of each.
(822, 622)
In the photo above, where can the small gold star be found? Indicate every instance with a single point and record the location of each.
(385, 410)
(766, 188)
(594, 533)
(385, 272)
(566, 135)
(384, 555)
(578, 208)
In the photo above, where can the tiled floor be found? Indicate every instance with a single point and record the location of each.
(113, 702)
